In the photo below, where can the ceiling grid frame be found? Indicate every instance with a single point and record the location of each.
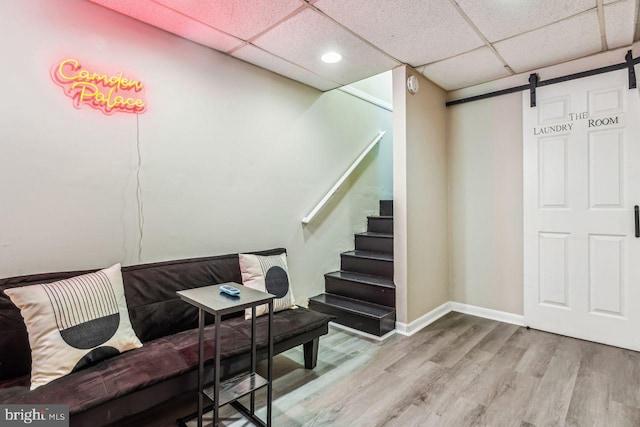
(603, 35)
(636, 36)
(316, 10)
(481, 35)
(162, 5)
(447, 71)
(266, 30)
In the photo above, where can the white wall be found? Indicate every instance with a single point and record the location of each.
(379, 86)
(420, 197)
(233, 156)
(378, 90)
(484, 140)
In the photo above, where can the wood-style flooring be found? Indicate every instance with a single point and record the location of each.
(459, 371)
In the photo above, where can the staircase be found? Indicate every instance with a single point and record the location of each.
(362, 295)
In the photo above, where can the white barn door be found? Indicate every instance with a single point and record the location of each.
(581, 159)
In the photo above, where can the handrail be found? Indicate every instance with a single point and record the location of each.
(307, 219)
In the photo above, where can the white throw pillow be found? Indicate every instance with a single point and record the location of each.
(267, 274)
(74, 322)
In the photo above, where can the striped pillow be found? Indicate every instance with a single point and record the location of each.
(267, 274)
(74, 323)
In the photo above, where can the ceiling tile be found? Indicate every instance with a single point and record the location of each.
(478, 66)
(563, 41)
(618, 24)
(265, 60)
(163, 18)
(415, 32)
(303, 38)
(500, 19)
(241, 18)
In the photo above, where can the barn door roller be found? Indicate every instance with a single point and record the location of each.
(632, 72)
(533, 84)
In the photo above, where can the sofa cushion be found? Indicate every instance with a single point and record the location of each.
(150, 289)
(74, 322)
(14, 387)
(156, 361)
(267, 274)
(154, 307)
(286, 324)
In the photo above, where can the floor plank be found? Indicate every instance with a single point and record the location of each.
(621, 415)
(510, 406)
(550, 404)
(459, 371)
(538, 354)
(497, 337)
(461, 413)
(452, 353)
(590, 399)
(458, 378)
(412, 416)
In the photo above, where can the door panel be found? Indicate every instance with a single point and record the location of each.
(581, 157)
(552, 169)
(606, 171)
(554, 269)
(606, 270)
(606, 101)
(553, 110)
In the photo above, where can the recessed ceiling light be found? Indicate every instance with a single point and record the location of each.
(331, 57)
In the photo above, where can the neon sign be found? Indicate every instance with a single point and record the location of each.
(108, 93)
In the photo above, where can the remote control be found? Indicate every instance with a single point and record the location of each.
(230, 290)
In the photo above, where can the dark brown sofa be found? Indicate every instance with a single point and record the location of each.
(166, 366)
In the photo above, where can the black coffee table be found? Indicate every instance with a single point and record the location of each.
(209, 299)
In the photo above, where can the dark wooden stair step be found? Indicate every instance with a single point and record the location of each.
(370, 263)
(386, 207)
(374, 242)
(380, 224)
(373, 289)
(371, 318)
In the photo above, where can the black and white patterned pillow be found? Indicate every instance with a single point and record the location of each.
(74, 322)
(267, 274)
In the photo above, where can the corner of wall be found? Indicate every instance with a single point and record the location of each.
(420, 197)
(400, 191)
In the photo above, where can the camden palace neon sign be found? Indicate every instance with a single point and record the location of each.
(108, 93)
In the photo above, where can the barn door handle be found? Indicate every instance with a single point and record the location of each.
(637, 222)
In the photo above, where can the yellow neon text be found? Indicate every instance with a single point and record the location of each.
(87, 76)
(108, 93)
(99, 98)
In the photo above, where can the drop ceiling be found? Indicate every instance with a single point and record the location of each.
(455, 43)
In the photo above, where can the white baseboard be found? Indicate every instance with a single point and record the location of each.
(363, 334)
(487, 313)
(473, 310)
(409, 329)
